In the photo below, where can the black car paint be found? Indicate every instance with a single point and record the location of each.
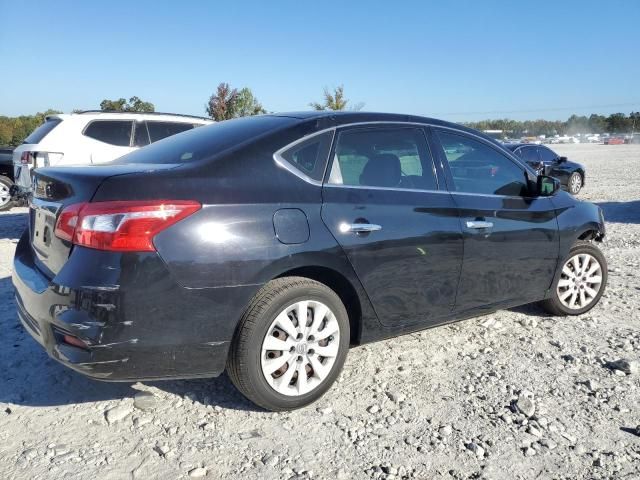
(560, 168)
(172, 313)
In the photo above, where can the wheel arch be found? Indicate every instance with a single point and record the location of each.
(343, 287)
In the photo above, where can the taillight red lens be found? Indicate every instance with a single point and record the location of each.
(126, 226)
(67, 221)
(25, 158)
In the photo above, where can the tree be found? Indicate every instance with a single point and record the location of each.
(334, 101)
(227, 103)
(222, 103)
(134, 104)
(246, 104)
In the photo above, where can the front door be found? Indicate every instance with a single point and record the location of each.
(511, 242)
(397, 226)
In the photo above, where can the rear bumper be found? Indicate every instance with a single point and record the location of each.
(138, 323)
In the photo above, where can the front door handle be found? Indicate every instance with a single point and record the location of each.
(359, 227)
(477, 224)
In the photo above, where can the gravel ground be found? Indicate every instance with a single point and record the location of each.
(516, 394)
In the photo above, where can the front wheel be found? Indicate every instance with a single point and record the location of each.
(290, 345)
(5, 196)
(581, 282)
(575, 183)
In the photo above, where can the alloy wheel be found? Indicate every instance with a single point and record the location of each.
(576, 183)
(5, 197)
(300, 348)
(580, 281)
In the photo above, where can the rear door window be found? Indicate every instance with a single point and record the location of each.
(160, 130)
(383, 157)
(113, 132)
(43, 130)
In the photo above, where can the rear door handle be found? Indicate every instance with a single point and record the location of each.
(359, 227)
(479, 224)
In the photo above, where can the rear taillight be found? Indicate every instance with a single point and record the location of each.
(26, 158)
(41, 159)
(126, 226)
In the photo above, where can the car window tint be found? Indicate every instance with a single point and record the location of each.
(140, 135)
(160, 130)
(310, 156)
(383, 157)
(547, 155)
(529, 154)
(42, 131)
(206, 142)
(113, 132)
(479, 168)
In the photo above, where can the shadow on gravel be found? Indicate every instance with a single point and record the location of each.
(621, 212)
(12, 225)
(532, 309)
(29, 377)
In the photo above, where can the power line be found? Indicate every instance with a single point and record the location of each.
(555, 109)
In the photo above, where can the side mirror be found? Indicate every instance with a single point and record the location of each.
(547, 186)
(562, 159)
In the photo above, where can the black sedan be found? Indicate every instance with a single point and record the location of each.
(548, 162)
(268, 245)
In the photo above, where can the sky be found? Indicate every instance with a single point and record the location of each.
(455, 60)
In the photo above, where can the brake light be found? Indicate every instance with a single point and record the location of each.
(123, 226)
(26, 158)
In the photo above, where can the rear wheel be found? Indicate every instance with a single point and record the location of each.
(575, 183)
(5, 197)
(581, 282)
(290, 345)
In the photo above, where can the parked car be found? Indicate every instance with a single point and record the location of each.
(547, 162)
(92, 137)
(614, 141)
(6, 177)
(268, 245)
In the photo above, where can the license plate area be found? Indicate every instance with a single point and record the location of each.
(44, 222)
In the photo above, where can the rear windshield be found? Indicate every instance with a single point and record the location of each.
(204, 142)
(42, 131)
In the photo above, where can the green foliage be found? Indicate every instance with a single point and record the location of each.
(227, 103)
(334, 101)
(13, 130)
(134, 104)
(247, 104)
(615, 123)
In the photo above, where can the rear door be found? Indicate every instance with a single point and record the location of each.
(511, 242)
(384, 205)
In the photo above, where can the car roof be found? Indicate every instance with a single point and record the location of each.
(94, 114)
(331, 118)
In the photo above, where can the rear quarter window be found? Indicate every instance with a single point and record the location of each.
(43, 130)
(310, 156)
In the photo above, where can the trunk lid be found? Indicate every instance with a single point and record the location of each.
(56, 188)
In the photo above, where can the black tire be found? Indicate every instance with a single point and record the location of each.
(244, 361)
(553, 305)
(5, 185)
(575, 183)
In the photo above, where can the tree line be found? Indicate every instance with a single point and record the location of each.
(226, 103)
(594, 123)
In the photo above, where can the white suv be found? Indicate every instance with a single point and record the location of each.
(92, 137)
